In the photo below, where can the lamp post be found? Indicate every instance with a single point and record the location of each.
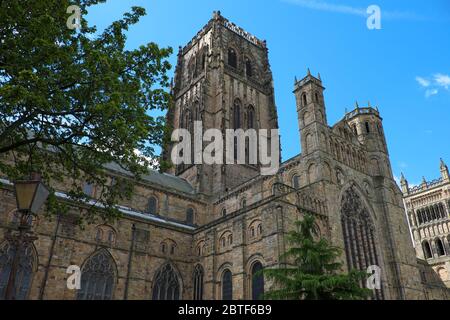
(30, 196)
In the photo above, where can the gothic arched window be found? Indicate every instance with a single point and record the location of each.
(257, 281)
(440, 247)
(166, 285)
(198, 282)
(427, 250)
(304, 99)
(98, 277)
(232, 58)
(190, 216)
(367, 127)
(23, 274)
(203, 61)
(152, 205)
(248, 68)
(296, 182)
(251, 118)
(227, 285)
(237, 114)
(359, 234)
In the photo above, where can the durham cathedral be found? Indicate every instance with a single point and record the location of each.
(202, 232)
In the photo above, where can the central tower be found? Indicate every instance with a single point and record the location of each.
(222, 79)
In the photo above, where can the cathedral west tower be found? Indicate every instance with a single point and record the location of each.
(223, 79)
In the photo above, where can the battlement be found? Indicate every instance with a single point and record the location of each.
(362, 111)
(426, 185)
(218, 18)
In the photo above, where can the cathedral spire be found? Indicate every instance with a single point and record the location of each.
(309, 72)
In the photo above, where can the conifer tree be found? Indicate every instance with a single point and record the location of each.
(312, 270)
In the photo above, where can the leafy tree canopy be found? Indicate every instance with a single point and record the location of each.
(72, 101)
(312, 271)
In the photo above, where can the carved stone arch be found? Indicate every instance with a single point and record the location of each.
(252, 282)
(222, 272)
(309, 142)
(312, 172)
(167, 283)
(198, 282)
(307, 117)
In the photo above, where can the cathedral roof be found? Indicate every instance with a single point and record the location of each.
(161, 179)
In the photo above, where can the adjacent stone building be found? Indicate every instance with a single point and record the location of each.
(428, 207)
(204, 231)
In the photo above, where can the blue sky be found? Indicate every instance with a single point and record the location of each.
(404, 68)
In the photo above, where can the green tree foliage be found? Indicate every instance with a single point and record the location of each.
(311, 271)
(72, 101)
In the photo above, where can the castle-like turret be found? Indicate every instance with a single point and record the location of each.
(312, 117)
(367, 125)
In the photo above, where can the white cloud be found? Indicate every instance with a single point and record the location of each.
(442, 80)
(434, 84)
(325, 6)
(423, 82)
(356, 11)
(431, 92)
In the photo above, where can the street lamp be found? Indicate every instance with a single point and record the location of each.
(30, 196)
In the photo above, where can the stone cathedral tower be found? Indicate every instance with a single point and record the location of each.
(223, 79)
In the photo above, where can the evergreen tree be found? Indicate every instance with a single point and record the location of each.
(311, 271)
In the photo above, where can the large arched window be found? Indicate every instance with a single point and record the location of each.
(427, 250)
(198, 282)
(98, 277)
(24, 271)
(166, 285)
(359, 234)
(152, 205)
(227, 285)
(257, 281)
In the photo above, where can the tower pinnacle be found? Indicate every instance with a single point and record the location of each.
(444, 171)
